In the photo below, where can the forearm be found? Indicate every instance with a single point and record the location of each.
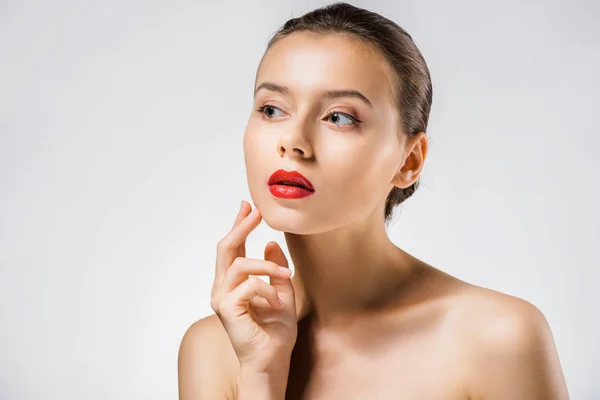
(253, 385)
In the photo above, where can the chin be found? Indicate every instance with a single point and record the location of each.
(292, 221)
(299, 217)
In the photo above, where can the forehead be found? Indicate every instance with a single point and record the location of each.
(310, 63)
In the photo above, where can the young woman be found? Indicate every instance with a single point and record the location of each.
(338, 139)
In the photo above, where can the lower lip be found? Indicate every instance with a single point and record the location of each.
(289, 192)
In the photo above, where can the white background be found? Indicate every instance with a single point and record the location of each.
(121, 167)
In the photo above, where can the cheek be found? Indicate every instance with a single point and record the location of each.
(361, 179)
(247, 147)
(256, 149)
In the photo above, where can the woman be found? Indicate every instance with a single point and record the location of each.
(338, 139)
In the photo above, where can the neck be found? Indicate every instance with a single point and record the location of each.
(344, 272)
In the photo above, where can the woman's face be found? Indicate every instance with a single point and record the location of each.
(307, 124)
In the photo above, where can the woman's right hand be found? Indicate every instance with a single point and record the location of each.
(261, 329)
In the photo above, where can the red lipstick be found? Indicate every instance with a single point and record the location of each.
(290, 185)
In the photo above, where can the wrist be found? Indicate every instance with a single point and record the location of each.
(262, 384)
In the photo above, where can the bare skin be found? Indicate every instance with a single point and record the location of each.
(445, 339)
(372, 320)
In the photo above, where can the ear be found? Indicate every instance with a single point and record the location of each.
(415, 150)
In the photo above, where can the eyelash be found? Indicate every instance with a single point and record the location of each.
(355, 121)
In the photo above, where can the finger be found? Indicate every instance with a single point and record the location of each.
(242, 213)
(228, 247)
(241, 269)
(275, 254)
(237, 302)
(258, 304)
(245, 209)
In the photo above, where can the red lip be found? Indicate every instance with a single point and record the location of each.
(290, 185)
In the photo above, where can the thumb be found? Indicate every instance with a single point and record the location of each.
(275, 254)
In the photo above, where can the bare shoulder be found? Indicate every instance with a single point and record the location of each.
(508, 347)
(207, 365)
(497, 317)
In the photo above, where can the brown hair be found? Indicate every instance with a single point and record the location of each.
(413, 84)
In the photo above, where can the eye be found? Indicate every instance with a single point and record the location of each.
(268, 111)
(338, 119)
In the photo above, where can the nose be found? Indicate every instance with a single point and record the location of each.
(295, 144)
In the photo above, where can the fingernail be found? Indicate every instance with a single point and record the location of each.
(241, 205)
(281, 302)
(285, 270)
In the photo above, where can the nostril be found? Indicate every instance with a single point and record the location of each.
(292, 150)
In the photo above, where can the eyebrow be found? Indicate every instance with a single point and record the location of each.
(328, 94)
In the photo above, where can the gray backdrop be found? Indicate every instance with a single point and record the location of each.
(121, 167)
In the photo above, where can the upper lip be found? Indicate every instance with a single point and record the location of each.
(283, 177)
